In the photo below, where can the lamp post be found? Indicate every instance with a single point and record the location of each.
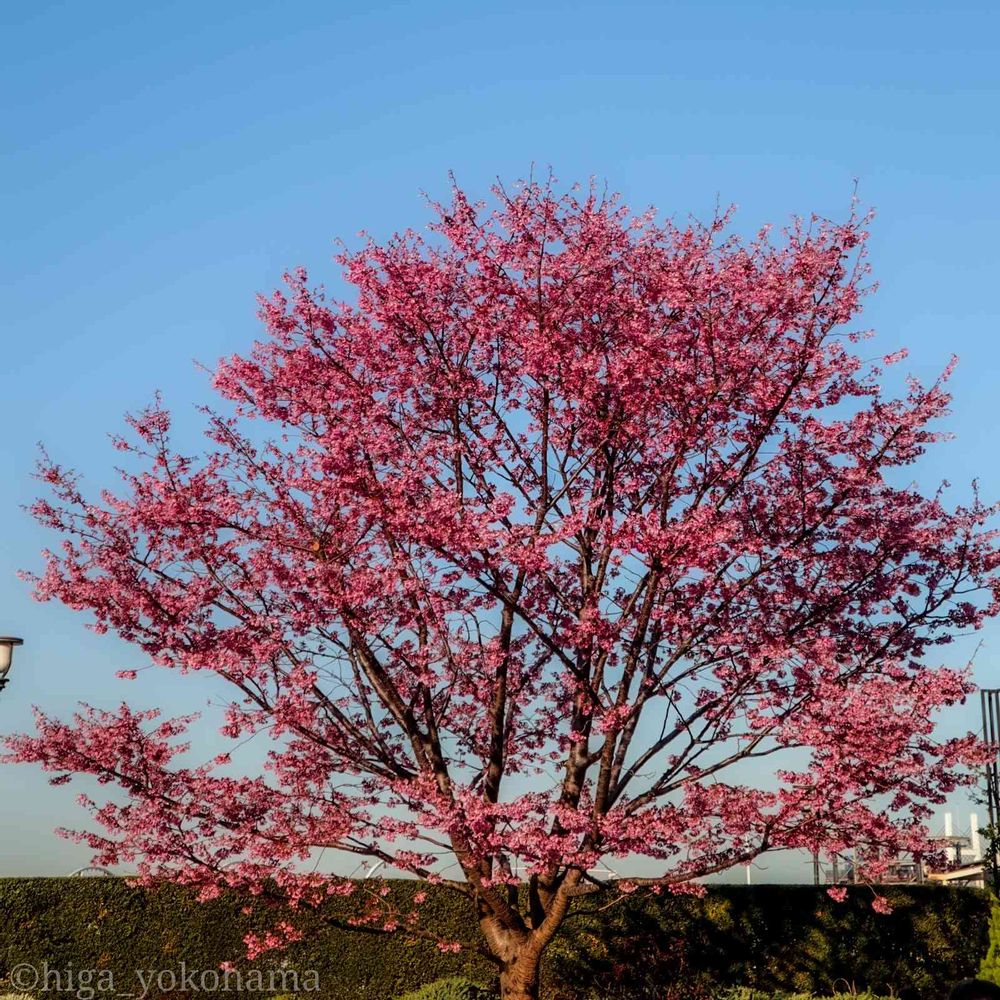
(991, 734)
(7, 644)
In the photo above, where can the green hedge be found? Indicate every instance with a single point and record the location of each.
(103, 923)
(771, 938)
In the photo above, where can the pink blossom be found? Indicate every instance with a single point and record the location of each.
(516, 560)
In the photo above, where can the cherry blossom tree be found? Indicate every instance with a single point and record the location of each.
(542, 550)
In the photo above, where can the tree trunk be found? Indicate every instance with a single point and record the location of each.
(519, 954)
(519, 978)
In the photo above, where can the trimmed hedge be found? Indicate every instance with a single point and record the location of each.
(103, 923)
(770, 938)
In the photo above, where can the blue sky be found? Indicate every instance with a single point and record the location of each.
(164, 162)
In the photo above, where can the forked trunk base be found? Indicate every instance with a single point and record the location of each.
(519, 978)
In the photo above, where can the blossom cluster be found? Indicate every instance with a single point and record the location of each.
(523, 559)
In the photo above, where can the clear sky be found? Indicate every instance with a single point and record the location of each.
(163, 162)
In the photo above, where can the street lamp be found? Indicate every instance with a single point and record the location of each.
(7, 644)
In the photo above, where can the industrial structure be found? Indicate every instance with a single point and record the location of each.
(964, 848)
(969, 863)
